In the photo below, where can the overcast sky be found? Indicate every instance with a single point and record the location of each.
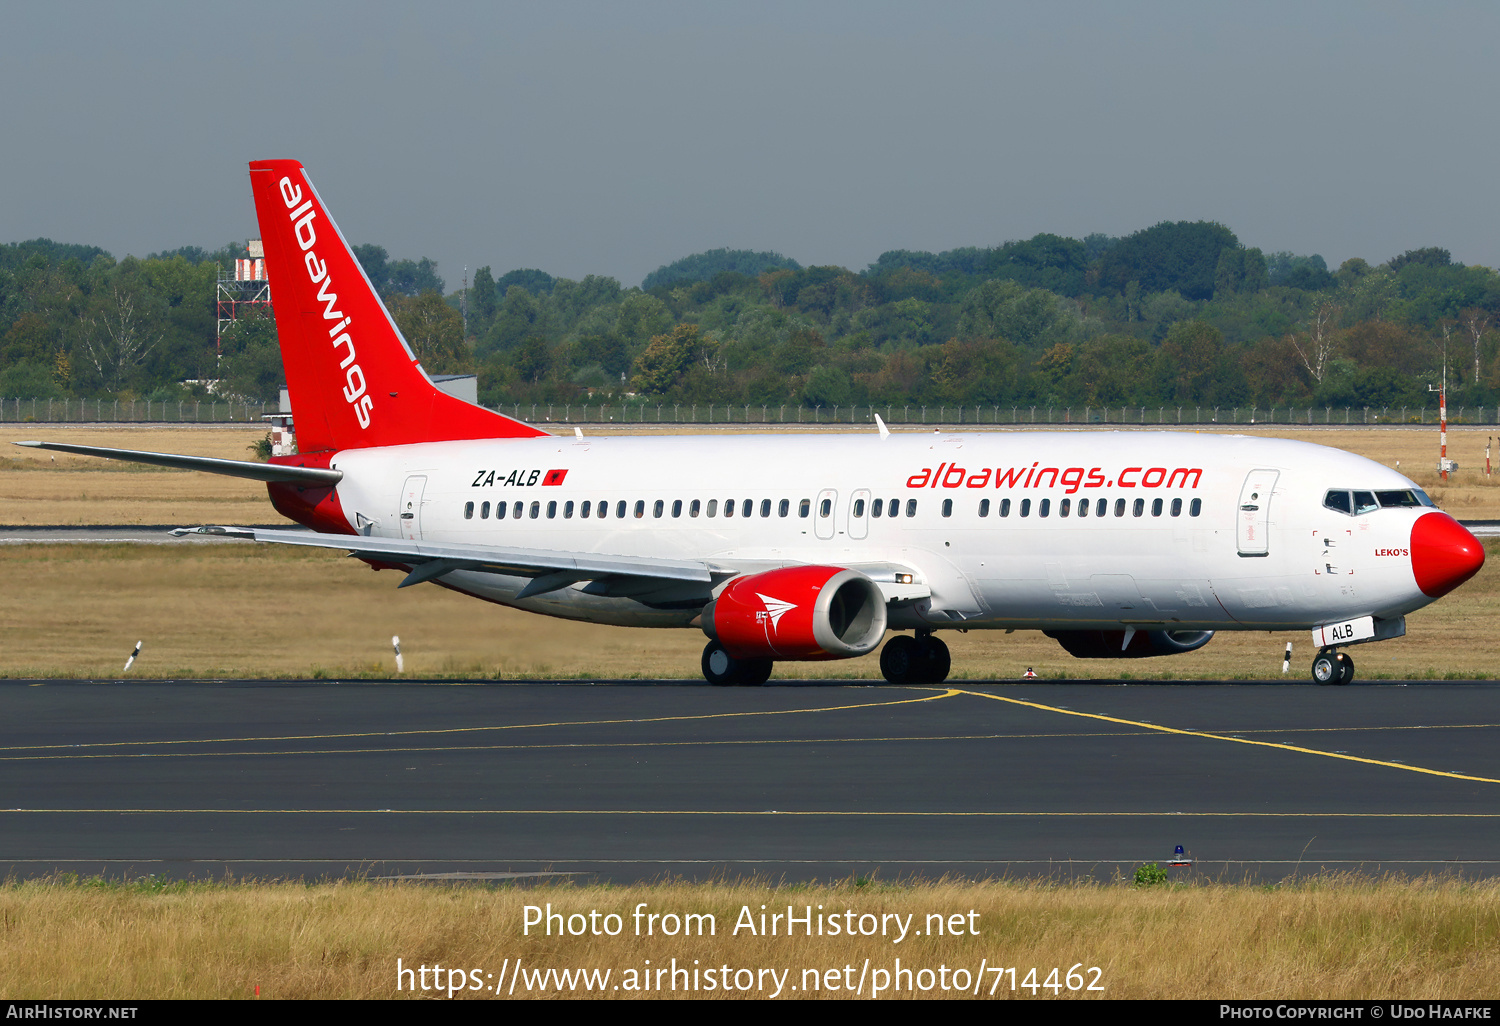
(610, 138)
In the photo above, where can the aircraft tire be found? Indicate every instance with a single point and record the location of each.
(1326, 669)
(900, 660)
(1346, 669)
(720, 668)
(756, 671)
(936, 661)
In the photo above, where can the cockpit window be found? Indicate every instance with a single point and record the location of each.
(1338, 500)
(1357, 504)
(1405, 497)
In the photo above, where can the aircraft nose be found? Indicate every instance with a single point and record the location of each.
(1443, 554)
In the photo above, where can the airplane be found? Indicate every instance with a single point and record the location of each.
(797, 547)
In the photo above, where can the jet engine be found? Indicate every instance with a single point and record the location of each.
(798, 612)
(1143, 644)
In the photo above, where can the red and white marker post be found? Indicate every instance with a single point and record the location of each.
(1443, 428)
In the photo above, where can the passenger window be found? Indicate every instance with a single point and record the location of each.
(568, 510)
(657, 508)
(1138, 507)
(640, 508)
(1119, 507)
(729, 507)
(1195, 507)
(859, 507)
(515, 511)
(804, 508)
(1338, 500)
(1101, 507)
(676, 508)
(1044, 507)
(713, 507)
(620, 509)
(1025, 507)
(785, 508)
(1005, 507)
(911, 507)
(1364, 502)
(468, 511)
(765, 507)
(552, 510)
(745, 507)
(1177, 507)
(1083, 507)
(1156, 507)
(583, 511)
(947, 507)
(878, 506)
(695, 507)
(536, 510)
(984, 507)
(484, 511)
(1064, 507)
(825, 507)
(893, 508)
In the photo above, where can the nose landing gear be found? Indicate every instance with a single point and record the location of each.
(1331, 667)
(920, 660)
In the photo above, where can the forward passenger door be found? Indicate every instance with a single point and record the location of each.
(1254, 513)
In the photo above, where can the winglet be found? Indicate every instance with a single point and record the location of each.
(885, 432)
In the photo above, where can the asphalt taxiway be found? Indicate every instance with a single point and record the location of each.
(630, 780)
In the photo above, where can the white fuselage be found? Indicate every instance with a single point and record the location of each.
(1251, 545)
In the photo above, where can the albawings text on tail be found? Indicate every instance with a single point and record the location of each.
(302, 212)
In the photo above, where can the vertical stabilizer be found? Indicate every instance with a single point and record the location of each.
(354, 381)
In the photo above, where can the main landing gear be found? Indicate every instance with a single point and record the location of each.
(919, 660)
(1332, 667)
(721, 668)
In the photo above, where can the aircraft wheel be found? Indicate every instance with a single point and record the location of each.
(936, 662)
(1326, 669)
(1346, 669)
(722, 669)
(900, 660)
(755, 671)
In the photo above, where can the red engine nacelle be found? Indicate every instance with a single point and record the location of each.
(798, 612)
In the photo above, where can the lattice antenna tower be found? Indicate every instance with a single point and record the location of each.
(242, 291)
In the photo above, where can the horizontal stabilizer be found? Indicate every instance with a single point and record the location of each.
(231, 468)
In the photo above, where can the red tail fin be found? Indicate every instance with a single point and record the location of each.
(353, 380)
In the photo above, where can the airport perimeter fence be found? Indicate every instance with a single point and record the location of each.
(146, 411)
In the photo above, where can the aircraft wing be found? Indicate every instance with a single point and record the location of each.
(549, 569)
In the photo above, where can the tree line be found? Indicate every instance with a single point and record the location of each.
(1176, 314)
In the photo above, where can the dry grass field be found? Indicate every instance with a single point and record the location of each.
(1343, 938)
(240, 610)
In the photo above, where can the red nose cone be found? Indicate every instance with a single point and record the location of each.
(1443, 554)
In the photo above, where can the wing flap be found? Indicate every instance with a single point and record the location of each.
(487, 559)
